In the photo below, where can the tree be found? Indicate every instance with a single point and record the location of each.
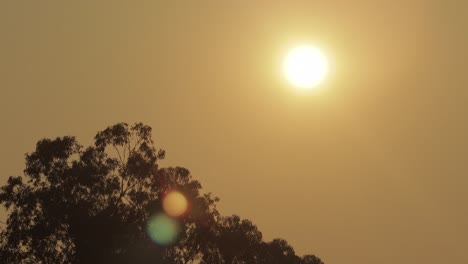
(94, 204)
(311, 259)
(239, 241)
(278, 251)
(235, 241)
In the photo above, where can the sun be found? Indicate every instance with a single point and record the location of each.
(305, 66)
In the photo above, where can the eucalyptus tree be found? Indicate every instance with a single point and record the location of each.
(89, 205)
(97, 204)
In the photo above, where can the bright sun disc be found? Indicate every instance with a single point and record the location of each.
(305, 66)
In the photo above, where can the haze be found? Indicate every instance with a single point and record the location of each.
(371, 170)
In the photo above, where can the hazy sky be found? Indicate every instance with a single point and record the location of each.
(372, 169)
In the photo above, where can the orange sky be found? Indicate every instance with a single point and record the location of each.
(373, 169)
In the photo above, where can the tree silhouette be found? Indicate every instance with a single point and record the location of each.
(94, 205)
(236, 241)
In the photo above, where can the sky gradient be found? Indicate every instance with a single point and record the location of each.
(371, 169)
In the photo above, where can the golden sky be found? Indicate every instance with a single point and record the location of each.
(372, 169)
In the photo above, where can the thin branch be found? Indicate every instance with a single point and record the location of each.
(118, 152)
(136, 144)
(124, 152)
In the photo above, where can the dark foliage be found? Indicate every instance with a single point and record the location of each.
(92, 205)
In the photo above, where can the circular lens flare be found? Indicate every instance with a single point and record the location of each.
(175, 204)
(305, 66)
(162, 229)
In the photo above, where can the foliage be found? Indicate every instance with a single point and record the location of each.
(91, 205)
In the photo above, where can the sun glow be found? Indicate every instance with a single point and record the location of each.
(305, 66)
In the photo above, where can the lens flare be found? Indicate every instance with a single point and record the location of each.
(175, 204)
(163, 229)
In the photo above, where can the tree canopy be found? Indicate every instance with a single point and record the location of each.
(96, 205)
